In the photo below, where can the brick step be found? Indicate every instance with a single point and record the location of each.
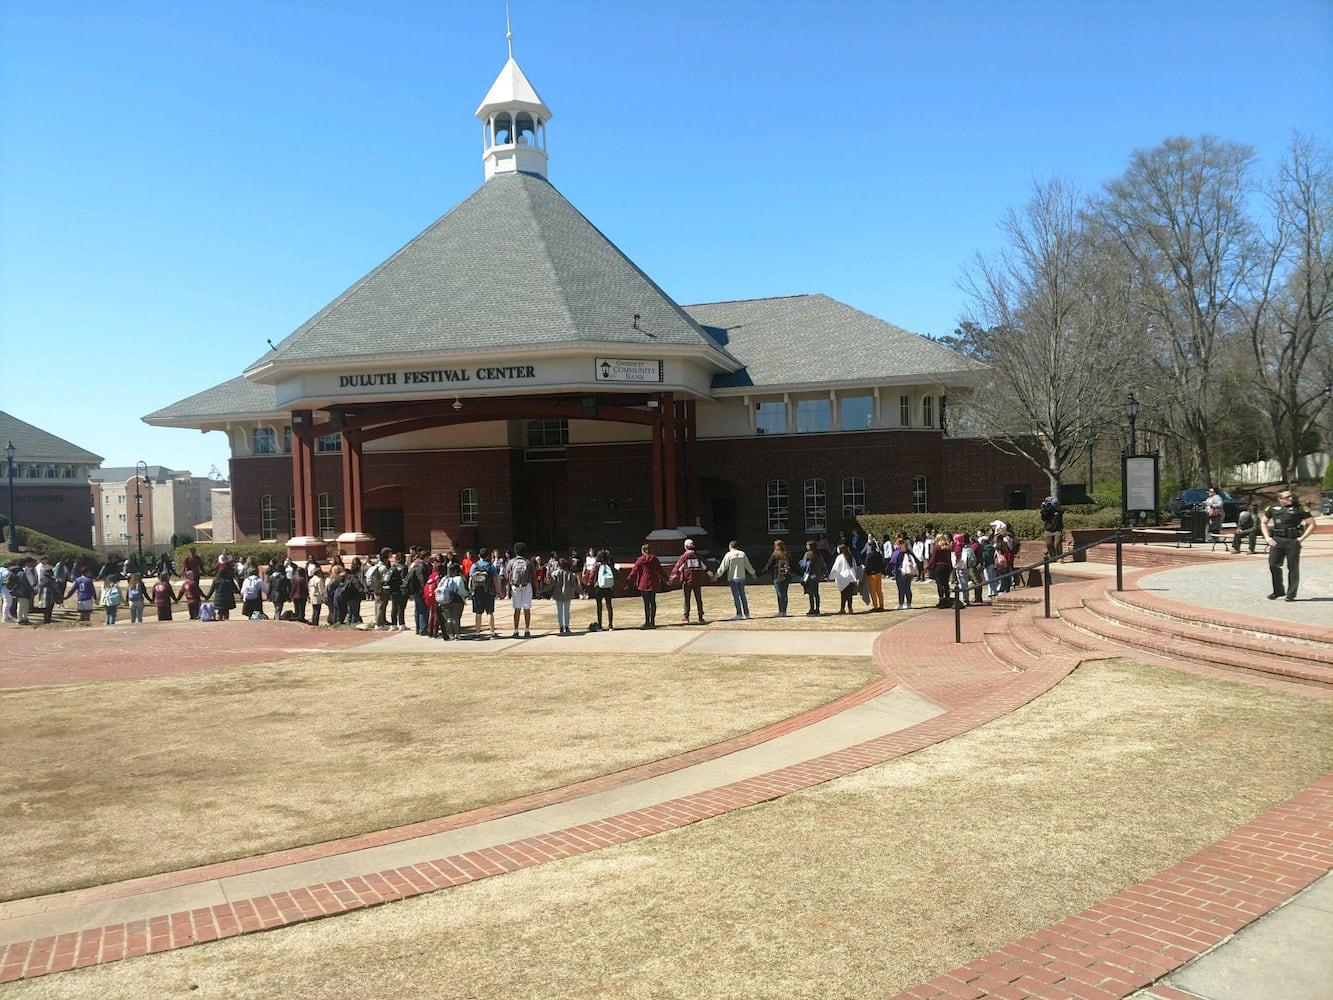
(1007, 650)
(1300, 653)
(1058, 631)
(1166, 643)
(1282, 632)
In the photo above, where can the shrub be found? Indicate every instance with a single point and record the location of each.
(1026, 523)
(262, 552)
(37, 544)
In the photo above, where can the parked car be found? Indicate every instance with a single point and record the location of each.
(1188, 500)
(1326, 501)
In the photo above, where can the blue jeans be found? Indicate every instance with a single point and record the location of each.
(562, 614)
(738, 596)
(422, 613)
(780, 588)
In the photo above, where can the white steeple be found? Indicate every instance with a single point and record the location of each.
(513, 119)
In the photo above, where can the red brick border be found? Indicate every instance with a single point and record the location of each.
(1103, 953)
(1144, 932)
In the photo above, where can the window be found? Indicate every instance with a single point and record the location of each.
(904, 411)
(927, 411)
(944, 425)
(287, 440)
(771, 417)
(291, 517)
(467, 506)
(108, 517)
(326, 443)
(32, 472)
(268, 519)
(779, 506)
(326, 516)
(121, 498)
(812, 416)
(858, 412)
(264, 441)
(124, 518)
(52, 472)
(67, 473)
(548, 433)
(853, 496)
(816, 506)
(919, 494)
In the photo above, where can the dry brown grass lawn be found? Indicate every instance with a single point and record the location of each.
(111, 781)
(861, 887)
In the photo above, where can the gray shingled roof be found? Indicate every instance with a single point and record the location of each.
(236, 397)
(513, 266)
(805, 339)
(32, 444)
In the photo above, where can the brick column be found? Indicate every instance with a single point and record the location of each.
(670, 461)
(303, 472)
(352, 482)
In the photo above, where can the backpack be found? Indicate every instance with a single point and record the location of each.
(251, 589)
(1001, 561)
(479, 580)
(606, 577)
(393, 580)
(206, 613)
(782, 571)
(967, 557)
(111, 598)
(416, 579)
(520, 572)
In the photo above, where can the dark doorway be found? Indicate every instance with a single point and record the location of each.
(1017, 497)
(385, 525)
(723, 528)
(541, 512)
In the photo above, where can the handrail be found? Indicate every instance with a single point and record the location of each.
(1045, 564)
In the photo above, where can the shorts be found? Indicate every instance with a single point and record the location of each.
(483, 602)
(522, 597)
(85, 605)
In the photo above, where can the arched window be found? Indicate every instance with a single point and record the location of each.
(779, 507)
(919, 500)
(816, 505)
(853, 496)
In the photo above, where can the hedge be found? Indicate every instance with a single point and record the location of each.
(1026, 523)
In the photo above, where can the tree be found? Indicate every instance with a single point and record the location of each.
(1289, 315)
(1178, 215)
(1051, 320)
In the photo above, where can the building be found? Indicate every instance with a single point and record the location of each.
(50, 481)
(151, 500)
(509, 373)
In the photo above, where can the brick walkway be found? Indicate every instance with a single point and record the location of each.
(1107, 951)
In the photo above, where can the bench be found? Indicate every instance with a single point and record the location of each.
(1228, 532)
(1176, 535)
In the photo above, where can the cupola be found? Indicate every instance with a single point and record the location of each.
(513, 119)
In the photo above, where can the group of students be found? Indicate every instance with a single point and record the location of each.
(32, 583)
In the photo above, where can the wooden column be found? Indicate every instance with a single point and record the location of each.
(303, 472)
(670, 461)
(659, 490)
(352, 481)
(691, 476)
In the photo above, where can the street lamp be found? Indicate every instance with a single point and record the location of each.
(1132, 414)
(140, 474)
(9, 462)
(1089, 442)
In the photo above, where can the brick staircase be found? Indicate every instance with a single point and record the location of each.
(1091, 620)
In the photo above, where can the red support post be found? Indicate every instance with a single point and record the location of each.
(303, 471)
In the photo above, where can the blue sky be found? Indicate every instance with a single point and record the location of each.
(181, 182)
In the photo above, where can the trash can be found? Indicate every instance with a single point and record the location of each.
(1196, 523)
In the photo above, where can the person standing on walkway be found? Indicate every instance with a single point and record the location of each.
(690, 570)
(1052, 526)
(164, 596)
(843, 575)
(604, 588)
(734, 568)
(648, 577)
(780, 566)
(481, 584)
(873, 563)
(903, 564)
(518, 573)
(813, 570)
(564, 589)
(1285, 525)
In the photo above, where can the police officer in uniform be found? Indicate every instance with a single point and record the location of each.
(1286, 524)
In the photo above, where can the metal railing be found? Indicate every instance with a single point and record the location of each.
(1045, 567)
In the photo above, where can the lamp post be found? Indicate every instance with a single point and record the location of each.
(140, 474)
(1132, 414)
(9, 463)
(1089, 446)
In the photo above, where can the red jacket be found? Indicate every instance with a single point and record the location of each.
(647, 573)
(690, 568)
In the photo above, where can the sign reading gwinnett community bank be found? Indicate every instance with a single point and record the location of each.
(629, 370)
(487, 373)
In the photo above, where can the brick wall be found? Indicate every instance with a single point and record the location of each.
(59, 508)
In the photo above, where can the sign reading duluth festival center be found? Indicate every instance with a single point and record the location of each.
(487, 373)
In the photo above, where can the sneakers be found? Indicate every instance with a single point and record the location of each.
(898, 608)
(738, 618)
(527, 634)
(685, 619)
(515, 635)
